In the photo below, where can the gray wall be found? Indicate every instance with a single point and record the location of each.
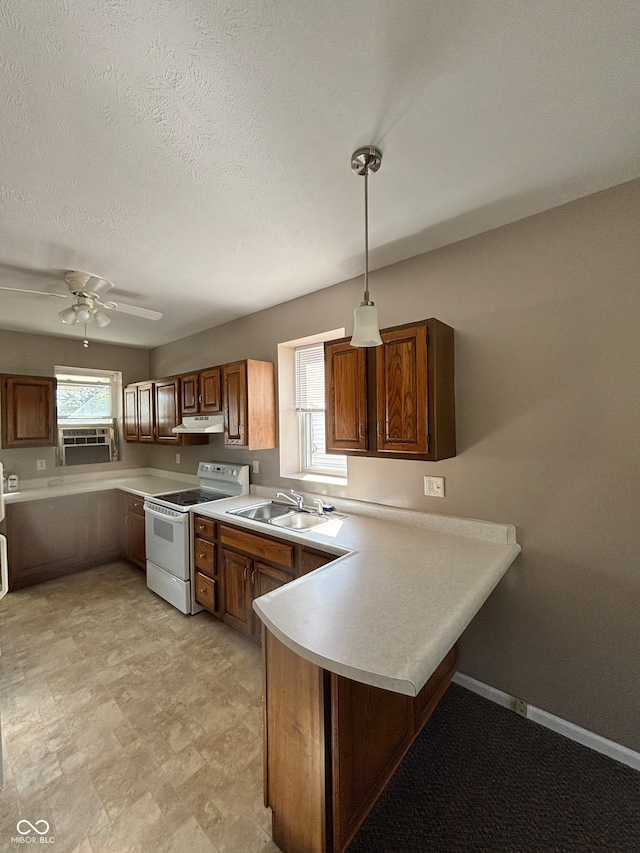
(37, 355)
(546, 313)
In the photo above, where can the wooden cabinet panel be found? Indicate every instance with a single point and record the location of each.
(131, 413)
(206, 592)
(28, 411)
(265, 579)
(201, 392)
(346, 396)
(189, 394)
(211, 390)
(235, 403)
(60, 536)
(249, 404)
(145, 412)
(205, 528)
(401, 391)
(258, 546)
(167, 410)
(236, 572)
(310, 560)
(405, 388)
(331, 745)
(204, 556)
(136, 548)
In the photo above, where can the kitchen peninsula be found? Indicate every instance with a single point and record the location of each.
(358, 653)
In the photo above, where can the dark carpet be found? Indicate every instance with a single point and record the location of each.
(481, 778)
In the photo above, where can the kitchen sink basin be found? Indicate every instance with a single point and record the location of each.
(300, 520)
(262, 512)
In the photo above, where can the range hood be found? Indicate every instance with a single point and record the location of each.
(201, 424)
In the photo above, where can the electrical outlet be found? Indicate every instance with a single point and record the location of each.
(434, 487)
(41, 465)
(256, 466)
(177, 458)
(520, 707)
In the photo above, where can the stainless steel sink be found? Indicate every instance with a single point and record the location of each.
(281, 515)
(300, 520)
(263, 512)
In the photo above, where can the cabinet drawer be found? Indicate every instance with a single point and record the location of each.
(204, 556)
(310, 560)
(259, 546)
(205, 528)
(206, 592)
(135, 505)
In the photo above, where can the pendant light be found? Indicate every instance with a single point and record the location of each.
(365, 317)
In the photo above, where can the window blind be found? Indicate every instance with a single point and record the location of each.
(310, 378)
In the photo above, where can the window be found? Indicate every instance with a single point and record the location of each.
(88, 403)
(85, 399)
(310, 408)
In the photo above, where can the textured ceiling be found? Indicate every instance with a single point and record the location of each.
(197, 153)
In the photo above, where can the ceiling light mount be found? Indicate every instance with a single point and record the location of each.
(366, 161)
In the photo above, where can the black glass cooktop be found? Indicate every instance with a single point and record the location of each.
(190, 497)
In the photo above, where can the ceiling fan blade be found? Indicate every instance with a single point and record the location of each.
(98, 286)
(37, 292)
(146, 313)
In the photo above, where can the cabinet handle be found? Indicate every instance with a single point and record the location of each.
(244, 573)
(203, 590)
(360, 431)
(253, 575)
(201, 527)
(201, 556)
(378, 430)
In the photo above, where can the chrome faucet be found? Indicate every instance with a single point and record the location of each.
(294, 497)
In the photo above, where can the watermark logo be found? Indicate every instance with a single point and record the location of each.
(24, 827)
(33, 833)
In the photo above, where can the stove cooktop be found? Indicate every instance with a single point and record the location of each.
(191, 497)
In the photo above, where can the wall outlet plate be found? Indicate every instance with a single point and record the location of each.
(255, 465)
(41, 464)
(434, 487)
(520, 707)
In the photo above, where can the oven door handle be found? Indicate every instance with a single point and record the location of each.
(179, 518)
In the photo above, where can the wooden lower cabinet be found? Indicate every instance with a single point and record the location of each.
(135, 544)
(236, 608)
(331, 746)
(51, 538)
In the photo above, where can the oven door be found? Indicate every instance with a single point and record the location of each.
(167, 540)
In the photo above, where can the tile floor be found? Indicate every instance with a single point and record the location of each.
(128, 726)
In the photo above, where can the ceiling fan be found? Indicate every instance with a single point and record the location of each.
(88, 292)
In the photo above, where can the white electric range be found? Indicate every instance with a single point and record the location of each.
(168, 530)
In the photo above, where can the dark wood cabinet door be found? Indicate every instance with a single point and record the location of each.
(167, 410)
(264, 579)
(211, 390)
(236, 574)
(346, 396)
(135, 540)
(401, 391)
(28, 411)
(189, 394)
(235, 403)
(145, 411)
(106, 536)
(131, 413)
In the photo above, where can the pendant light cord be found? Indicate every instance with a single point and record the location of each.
(366, 235)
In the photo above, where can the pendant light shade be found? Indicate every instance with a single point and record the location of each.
(69, 316)
(366, 332)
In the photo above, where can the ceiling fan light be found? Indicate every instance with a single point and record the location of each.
(84, 313)
(101, 319)
(366, 332)
(69, 315)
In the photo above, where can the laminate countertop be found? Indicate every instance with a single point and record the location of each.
(139, 481)
(402, 589)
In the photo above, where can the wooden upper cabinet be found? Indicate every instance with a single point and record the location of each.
(249, 404)
(201, 392)
(346, 396)
(131, 413)
(28, 411)
(167, 410)
(396, 400)
(145, 411)
(401, 391)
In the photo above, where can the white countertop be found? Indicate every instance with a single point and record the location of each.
(138, 481)
(387, 611)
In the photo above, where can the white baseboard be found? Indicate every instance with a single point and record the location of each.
(556, 724)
